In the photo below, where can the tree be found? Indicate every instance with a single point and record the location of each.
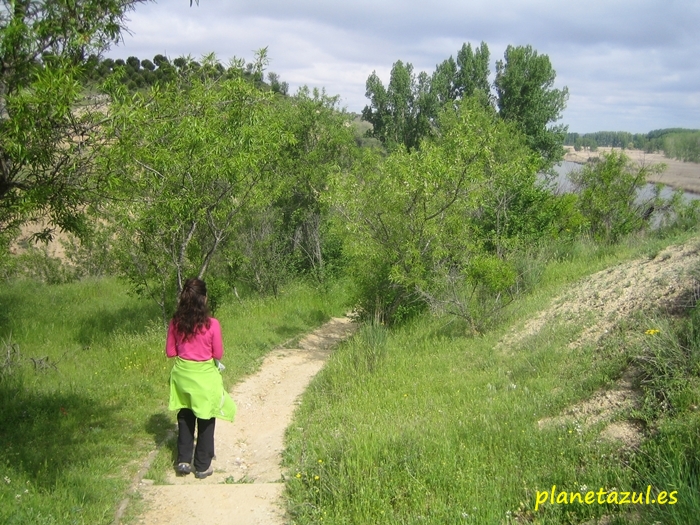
(323, 146)
(473, 74)
(134, 62)
(400, 113)
(407, 110)
(525, 95)
(416, 221)
(191, 158)
(147, 65)
(160, 60)
(608, 195)
(46, 140)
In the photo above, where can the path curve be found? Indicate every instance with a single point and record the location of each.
(248, 451)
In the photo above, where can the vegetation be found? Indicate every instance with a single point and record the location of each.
(192, 158)
(438, 224)
(138, 74)
(525, 95)
(84, 379)
(407, 110)
(49, 138)
(446, 217)
(424, 424)
(676, 143)
(608, 196)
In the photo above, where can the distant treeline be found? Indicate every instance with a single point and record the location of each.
(678, 143)
(137, 74)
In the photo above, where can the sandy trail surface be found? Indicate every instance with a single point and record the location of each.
(246, 487)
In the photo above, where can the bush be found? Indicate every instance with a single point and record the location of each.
(607, 192)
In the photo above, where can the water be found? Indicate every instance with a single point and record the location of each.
(562, 184)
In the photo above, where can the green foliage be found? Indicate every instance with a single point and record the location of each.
(683, 146)
(188, 160)
(260, 255)
(215, 173)
(406, 111)
(138, 74)
(678, 143)
(47, 141)
(525, 95)
(472, 77)
(84, 388)
(416, 222)
(607, 193)
(323, 146)
(446, 428)
(668, 357)
(400, 113)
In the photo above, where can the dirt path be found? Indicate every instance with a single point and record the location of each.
(246, 487)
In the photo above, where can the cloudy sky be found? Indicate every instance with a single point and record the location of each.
(631, 65)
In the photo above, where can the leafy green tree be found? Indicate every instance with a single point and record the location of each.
(276, 85)
(148, 65)
(134, 63)
(323, 146)
(608, 195)
(473, 73)
(444, 84)
(414, 222)
(192, 158)
(452, 81)
(46, 141)
(406, 111)
(400, 112)
(161, 60)
(525, 95)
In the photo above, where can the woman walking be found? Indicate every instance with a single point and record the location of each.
(196, 387)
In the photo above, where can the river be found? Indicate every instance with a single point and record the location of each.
(562, 184)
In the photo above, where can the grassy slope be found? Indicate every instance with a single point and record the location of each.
(425, 425)
(73, 435)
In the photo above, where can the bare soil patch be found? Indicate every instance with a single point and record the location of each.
(611, 294)
(246, 487)
(607, 297)
(678, 174)
(604, 407)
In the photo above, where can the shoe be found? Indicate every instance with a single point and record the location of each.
(183, 468)
(206, 473)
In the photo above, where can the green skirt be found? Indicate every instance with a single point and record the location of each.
(198, 385)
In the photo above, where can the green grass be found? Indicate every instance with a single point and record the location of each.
(422, 424)
(85, 400)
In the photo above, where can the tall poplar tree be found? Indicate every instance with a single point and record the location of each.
(525, 95)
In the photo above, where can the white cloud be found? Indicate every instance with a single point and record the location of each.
(628, 64)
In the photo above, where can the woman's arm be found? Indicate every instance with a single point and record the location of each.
(217, 343)
(170, 347)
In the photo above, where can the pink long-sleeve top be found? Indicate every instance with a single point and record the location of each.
(204, 344)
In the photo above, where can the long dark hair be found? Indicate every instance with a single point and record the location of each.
(192, 312)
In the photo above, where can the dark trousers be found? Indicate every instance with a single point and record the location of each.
(204, 452)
